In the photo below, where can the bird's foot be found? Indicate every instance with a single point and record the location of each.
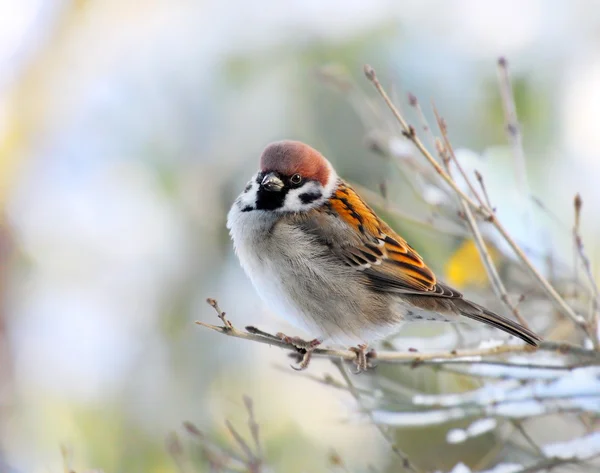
(363, 357)
(305, 349)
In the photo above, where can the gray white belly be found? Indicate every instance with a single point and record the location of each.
(302, 281)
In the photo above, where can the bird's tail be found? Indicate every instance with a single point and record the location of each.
(481, 314)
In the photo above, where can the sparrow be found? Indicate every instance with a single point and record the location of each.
(318, 255)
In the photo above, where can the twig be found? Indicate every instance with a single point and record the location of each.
(479, 178)
(253, 425)
(240, 441)
(214, 304)
(379, 201)
(484, 253)
(554, 296)
(413, 101)
(512, 124)
(594, 320)
(211, 448)
(416, 359)
(175, 449)
(444, 131)
(325, 380)
(221, 458)
(486, 258)
(409, 132)
(406, 463)
(518, 424)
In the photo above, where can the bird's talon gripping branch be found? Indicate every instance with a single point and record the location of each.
(363, 357)
(303, 347)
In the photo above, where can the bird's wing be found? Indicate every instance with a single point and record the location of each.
(351, 231)
(368, 244)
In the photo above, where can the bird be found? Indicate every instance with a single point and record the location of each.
(319, 256)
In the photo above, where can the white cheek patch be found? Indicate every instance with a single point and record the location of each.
(308, 196)
(294, 201)
(247, 199)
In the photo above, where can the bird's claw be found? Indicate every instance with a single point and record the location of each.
(363, 357)
(304, 349)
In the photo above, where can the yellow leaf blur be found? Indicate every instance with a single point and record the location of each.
(465, 269)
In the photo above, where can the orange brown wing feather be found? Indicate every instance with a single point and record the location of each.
(385, 256)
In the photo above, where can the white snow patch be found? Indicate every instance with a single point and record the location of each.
(417, 418)
(505, 468)
(500, 468)
(479, 427)
(458, 468)
(582, 447)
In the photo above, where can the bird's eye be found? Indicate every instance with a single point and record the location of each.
(296, 179)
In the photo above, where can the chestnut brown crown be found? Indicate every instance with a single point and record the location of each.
(294, 157)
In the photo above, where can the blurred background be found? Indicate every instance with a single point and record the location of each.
(128, 128)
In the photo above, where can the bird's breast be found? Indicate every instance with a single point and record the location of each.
(300, 279)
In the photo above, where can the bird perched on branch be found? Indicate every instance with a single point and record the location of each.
(318, 255)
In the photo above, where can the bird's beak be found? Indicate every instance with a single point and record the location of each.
(272, 183)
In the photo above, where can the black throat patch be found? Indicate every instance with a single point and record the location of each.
(269, 200)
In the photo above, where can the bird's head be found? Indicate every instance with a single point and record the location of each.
(293, 177)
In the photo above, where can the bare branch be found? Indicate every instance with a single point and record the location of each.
(253, 425)
(594, 320)
(483, 189)
(445, 227)
(223, 459)
(411, 357)
(486, 258)
(444, 131)
(409, 132)
(513, 130)
(406, 463)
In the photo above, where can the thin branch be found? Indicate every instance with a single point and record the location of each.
(221, 458)
(211, 448)
(414, 102)
(379, 201)
(409, 132)
(484, 253)
(486, 258)
(253, 425)
(479, 178)
(578, 203)
(518, 424)
(175, 448)
(444, 131)
(555, 296)
(406, 463)
(414, 358)
(513, 129)
(240, 440)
